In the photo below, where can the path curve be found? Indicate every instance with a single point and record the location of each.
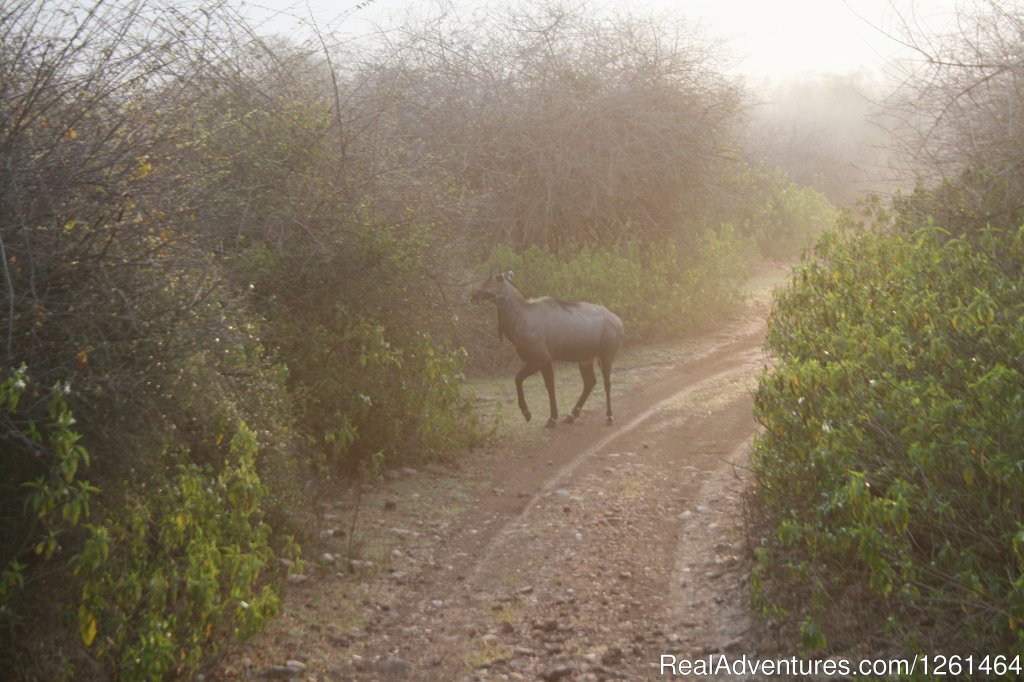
(587, 554)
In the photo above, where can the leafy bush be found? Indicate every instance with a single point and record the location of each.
(655, 290)
(777, 217)
(164, 583)
(353, 318)
(889, 469)
(358, 394)
(48, 495)
(181, 572)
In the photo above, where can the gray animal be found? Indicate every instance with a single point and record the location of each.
(546, 329)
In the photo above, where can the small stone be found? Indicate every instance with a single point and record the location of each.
(284, 671)
(328, 558)
(516, 665)
(393, 668)
(733, 645)
(558, 672)
(297, 578)
(285, 563)
(549, 625)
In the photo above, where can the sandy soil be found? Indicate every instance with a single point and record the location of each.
(585, 553)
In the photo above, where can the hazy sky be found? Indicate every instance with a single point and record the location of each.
(773, 38)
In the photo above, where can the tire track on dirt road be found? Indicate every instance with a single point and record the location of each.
(628, 550)
(571, 566)
(559, 478)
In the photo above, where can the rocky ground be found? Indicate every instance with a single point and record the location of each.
(584, 552)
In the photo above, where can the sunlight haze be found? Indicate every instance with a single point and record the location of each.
(776, 41)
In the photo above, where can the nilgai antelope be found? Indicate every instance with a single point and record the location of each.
(546, 329)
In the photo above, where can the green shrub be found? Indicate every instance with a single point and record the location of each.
(166, 580)
(772, 214)
(350, 316)
(180, 572)
(656, 291)
(46, 495)
(889, 471)
(359, 394)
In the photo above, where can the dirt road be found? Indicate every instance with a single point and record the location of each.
(584, 554)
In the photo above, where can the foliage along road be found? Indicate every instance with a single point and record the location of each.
(584, 554)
